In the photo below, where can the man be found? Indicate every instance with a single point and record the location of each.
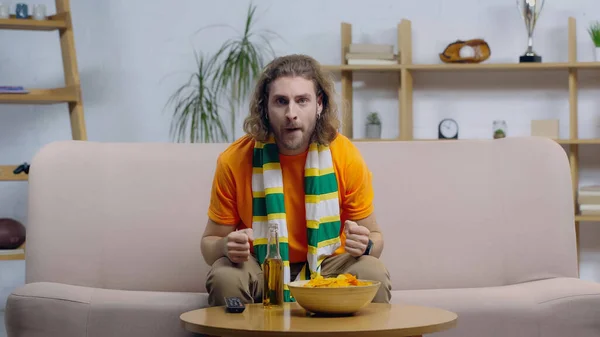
(295, 170)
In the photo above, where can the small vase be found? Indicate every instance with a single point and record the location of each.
(373, 130)
(597, 54)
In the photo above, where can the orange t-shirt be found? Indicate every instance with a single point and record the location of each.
(231, 195)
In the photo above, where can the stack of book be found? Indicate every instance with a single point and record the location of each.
(371, 54)
(589, 200)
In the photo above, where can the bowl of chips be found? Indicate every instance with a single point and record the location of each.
(341, 295)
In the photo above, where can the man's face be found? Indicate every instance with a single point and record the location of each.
(292, 111)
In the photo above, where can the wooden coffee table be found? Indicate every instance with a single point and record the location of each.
(376, 319)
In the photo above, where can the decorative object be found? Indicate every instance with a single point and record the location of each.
(22, 11)
(500, 129)
(470, 51)
(545, 128)
(594, 31)
(227, 77)
(373, 125)
(12, 233)
(448, 129)
(530, 11)
(23, 168)
(4, 11)
(39, 12)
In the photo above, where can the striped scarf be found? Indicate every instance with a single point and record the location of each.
(322, 207)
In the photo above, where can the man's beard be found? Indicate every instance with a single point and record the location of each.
(291, 141)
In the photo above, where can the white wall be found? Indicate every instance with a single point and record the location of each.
(133, 54)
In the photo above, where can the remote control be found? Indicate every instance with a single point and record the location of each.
(234, 305)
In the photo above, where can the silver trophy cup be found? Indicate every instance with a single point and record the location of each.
(530, 11)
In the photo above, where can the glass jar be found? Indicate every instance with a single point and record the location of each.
(500, 129)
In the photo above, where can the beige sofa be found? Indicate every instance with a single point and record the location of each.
(483, 228)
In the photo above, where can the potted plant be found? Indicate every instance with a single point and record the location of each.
(373, 125)
(594, 31)
(196, 116)
(225, 77)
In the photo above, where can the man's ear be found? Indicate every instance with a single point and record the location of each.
(320, 103)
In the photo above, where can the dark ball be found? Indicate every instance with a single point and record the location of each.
(12, 233)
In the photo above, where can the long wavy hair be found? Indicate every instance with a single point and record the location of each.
(257, 124)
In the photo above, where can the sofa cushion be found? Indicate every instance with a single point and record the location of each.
(550, 307)
(53, 309)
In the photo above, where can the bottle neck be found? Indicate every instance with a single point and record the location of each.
(273, 243)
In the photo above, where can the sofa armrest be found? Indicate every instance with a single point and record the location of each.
(48, 310)
(54, 309)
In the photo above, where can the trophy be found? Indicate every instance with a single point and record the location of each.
(530, 11)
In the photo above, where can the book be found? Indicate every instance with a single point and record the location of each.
(371, 56)
(372, 62)
(370, 48)
(12, 90)
(589, 209)
(589, 199)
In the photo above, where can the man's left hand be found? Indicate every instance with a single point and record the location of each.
(357, 238)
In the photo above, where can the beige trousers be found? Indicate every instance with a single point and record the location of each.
(245, 280)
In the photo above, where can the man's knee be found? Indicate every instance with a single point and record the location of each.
(223, 274)
(228, 280)
(372, 268)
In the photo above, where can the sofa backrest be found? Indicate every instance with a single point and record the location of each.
(454, 214)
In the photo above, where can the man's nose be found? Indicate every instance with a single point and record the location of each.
(292, 111)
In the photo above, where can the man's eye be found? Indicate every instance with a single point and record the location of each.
(281, 101)
(303, 100)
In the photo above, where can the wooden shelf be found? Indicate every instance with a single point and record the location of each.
(54, 22)
(464, 67)
(586, 65)
(6, 174)
(594, 218)
(12, 257)
(578, 141)
(17, 254)
(560, 141)
(42, 96)
(488, 67)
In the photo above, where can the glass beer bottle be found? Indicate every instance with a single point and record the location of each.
(273, 271)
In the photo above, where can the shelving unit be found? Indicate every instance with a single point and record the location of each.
(406, 69)
(70, 94)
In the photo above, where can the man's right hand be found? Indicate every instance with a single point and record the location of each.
(237, 245)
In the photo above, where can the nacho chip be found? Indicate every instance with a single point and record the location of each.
(342, 280)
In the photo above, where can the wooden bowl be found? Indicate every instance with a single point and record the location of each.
(333, 301)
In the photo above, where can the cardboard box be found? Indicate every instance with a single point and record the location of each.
(545, 128)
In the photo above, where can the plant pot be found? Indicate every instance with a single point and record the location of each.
(597, 54)
(373, 130)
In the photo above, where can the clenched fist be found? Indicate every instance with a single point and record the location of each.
(357, 238)
(237, 245)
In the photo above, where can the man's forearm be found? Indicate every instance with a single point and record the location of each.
(212, 248)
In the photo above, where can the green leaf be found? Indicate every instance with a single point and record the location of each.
(594, 31)
(227, 76)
